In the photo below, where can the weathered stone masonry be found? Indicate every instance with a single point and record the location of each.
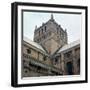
(50, 54)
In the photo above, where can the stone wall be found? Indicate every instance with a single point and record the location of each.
(70, 60)
(36, 62)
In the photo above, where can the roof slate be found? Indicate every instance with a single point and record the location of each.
(68, 46)
(34, 44)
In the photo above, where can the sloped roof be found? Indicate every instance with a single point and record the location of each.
(68, 46)
(34, 44)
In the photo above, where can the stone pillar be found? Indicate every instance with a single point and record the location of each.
(62, 63)
(74, 62)
(59, 62)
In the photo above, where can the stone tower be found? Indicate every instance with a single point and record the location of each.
(50, 35)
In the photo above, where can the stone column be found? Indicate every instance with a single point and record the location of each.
(74, 62)
(62, 63)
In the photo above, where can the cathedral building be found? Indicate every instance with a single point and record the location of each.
(49, 54)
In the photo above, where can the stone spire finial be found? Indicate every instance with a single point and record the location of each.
(65, 30)
(52, 17)
(35, 27)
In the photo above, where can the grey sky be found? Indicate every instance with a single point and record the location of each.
(71, 22)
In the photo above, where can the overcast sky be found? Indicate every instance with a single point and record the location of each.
(71, 22)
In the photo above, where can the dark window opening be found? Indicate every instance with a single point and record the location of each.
(44, 58)
(28, 51)
(31, 65)
(45, 28)
(38, 68)
(55, 73)
(69, 68)
(24, 61)
(56, 60)
(26, 71)
(68, 54)
(42, 30)
(78, 64)
(57, 36)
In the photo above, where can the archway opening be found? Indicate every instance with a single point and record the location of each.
(69, 68)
